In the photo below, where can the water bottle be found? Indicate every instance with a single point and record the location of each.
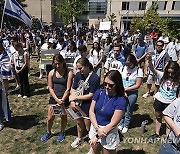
(143, 126)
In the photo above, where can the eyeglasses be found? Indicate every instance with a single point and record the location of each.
(109, 85)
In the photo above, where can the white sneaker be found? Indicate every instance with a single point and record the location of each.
(124, 130)
(146, 95)
(90, 151)
(1, 126)
(19, 95)
(40, 77)
(77, 142)
(120, 127)
(24, 96)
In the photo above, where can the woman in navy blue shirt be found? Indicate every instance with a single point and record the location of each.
(107, 109)
(89, 81)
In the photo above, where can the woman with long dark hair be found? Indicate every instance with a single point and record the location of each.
(59, 83)
(86, 82)
(167, 93)
(132, 79)
(96, 55)
(107, 109)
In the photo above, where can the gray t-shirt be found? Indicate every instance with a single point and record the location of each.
(173, 111)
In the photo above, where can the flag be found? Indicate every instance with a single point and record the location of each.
(15, 10)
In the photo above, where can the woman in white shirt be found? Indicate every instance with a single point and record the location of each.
(96, 55)
(132, 78)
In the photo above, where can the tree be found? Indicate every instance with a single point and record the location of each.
(151, 17)
(112, 19)
(70, 10)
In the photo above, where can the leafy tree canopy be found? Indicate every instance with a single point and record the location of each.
(70, 9)
(151, 17)
(112, 18)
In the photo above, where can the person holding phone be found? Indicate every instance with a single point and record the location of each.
(59, 83)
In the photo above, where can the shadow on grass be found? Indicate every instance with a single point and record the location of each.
(71, 131)
(137, 119)
(40, 92)
(128, 151)
(22, 122)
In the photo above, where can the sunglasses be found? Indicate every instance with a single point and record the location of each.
(110, 85)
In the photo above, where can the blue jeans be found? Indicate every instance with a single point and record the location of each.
(98, 71)
(130, 101)
(167, 148)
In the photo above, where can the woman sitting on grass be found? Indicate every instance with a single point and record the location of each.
(59, 83)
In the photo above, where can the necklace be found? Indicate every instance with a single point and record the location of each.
(105, 103)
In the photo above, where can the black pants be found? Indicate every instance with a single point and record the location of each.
(1, 111)
(24, 81)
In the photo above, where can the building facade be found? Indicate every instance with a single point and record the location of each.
(125, 10)
(42, 9)
(98, 10)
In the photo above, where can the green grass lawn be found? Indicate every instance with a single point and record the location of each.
(23, 133)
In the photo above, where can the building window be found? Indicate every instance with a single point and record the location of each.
(176, 5)
(142, 5)
(165, 4)
(161, 4)
(97, 7)
(173, 5)
(125, 5)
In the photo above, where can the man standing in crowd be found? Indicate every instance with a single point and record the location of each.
(160, 57)
(116, 60)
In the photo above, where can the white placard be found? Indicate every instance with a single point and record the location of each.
(105, 25)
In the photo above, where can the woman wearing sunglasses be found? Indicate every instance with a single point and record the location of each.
(107, 109)
(167, 93)
(132, 78)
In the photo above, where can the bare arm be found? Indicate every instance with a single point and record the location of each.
(150, 65)
(172, 125)
(26, 62)
(117, 116)
(100, 58)
(92, 114)
(135, 86)
(50, 85)
(69, 84)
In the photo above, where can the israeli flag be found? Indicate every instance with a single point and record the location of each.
(15, 10)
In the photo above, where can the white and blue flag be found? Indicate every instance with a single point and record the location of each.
(15, 10)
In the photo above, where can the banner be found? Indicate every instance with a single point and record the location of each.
(47, 56)
(105, 25)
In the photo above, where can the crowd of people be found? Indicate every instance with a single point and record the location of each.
(122, 61)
